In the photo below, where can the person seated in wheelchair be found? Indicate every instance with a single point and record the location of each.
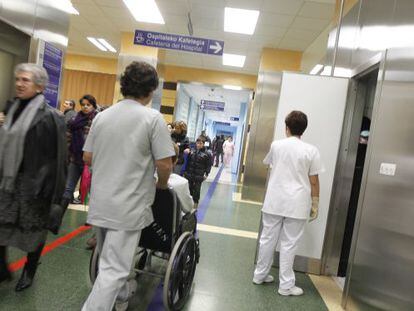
(159, 234)
(180, 186)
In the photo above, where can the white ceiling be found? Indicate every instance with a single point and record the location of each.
(231, 98)
(284, 24)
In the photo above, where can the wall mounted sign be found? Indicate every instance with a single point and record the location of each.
(234, 119)
(211, 105)
(221, 123)
(50, 57)
(178, 42)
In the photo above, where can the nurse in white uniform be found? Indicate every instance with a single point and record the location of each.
(292, 196)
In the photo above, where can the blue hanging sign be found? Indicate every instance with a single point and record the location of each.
(221, 123)
(51, 58)
(234, 119)
(211, 105)
(178, 42)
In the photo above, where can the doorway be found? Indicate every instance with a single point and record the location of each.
(348, 174)
(366, 87)
(14, 49)
(217, 111)
(6, 77)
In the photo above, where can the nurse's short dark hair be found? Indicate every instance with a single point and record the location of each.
(139, 80)
(297, 122)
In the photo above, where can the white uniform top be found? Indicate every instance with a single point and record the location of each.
(288, 192)
(125, 140)
(180, 186)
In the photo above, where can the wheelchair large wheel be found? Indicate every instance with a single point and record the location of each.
(93, 265)
(180, 272)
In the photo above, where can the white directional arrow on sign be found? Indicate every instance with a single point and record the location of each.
(216, 47)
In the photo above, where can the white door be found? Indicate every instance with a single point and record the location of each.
(323, 100)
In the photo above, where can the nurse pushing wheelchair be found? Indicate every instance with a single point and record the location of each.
(171, 238)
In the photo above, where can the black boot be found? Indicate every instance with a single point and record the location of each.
(29, 269)
(5, 274)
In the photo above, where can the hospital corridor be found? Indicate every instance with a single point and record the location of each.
(206, 155)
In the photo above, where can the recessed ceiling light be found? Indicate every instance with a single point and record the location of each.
(62, 5)
(97, 44)
(233, 60)
(240, 21)
(107, 45)
(317, 69)
(232, 87)
(145, 11)
(72, 10)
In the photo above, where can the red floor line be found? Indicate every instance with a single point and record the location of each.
(18, 264)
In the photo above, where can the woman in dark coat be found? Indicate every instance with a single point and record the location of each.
(78, 129)
(32, 172)
(179, 136)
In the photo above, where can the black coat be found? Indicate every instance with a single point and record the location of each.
(198, 165)
(218, 145)
(42, 175)
(183, 143)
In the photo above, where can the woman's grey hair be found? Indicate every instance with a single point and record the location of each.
(40, 76)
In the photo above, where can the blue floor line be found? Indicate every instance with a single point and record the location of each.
(157, 301)
(202, 207)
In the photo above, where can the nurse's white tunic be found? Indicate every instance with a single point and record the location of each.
(288, 192)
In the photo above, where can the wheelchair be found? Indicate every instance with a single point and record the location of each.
(171, 237)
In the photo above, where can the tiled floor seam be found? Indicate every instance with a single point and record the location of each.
(227, 231)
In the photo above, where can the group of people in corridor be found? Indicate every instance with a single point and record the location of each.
(130, 152)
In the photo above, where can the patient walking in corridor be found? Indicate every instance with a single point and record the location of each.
(292, 196)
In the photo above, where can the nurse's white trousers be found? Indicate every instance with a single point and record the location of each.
(117, 249)
(288, 232)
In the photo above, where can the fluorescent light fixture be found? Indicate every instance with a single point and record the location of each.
(338, 72)
(51, 36)
(316, 70)
(326, 71)
(342, 72)
(240, 21)
(62, 5)
(232, 87)
(233, 60)
(107, 45)
(145, 11)
(97, 44)
(71, 9)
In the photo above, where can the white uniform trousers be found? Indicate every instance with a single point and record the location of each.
(117, 249)
(288, 232)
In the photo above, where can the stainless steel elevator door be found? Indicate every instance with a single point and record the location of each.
(382, 273)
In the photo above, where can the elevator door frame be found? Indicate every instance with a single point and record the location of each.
(339, 206)
(16, 43)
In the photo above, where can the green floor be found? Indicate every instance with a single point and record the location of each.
(223, 279)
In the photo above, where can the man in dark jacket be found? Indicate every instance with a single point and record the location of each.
(69, 110)
(218, 149)
(197, 170)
